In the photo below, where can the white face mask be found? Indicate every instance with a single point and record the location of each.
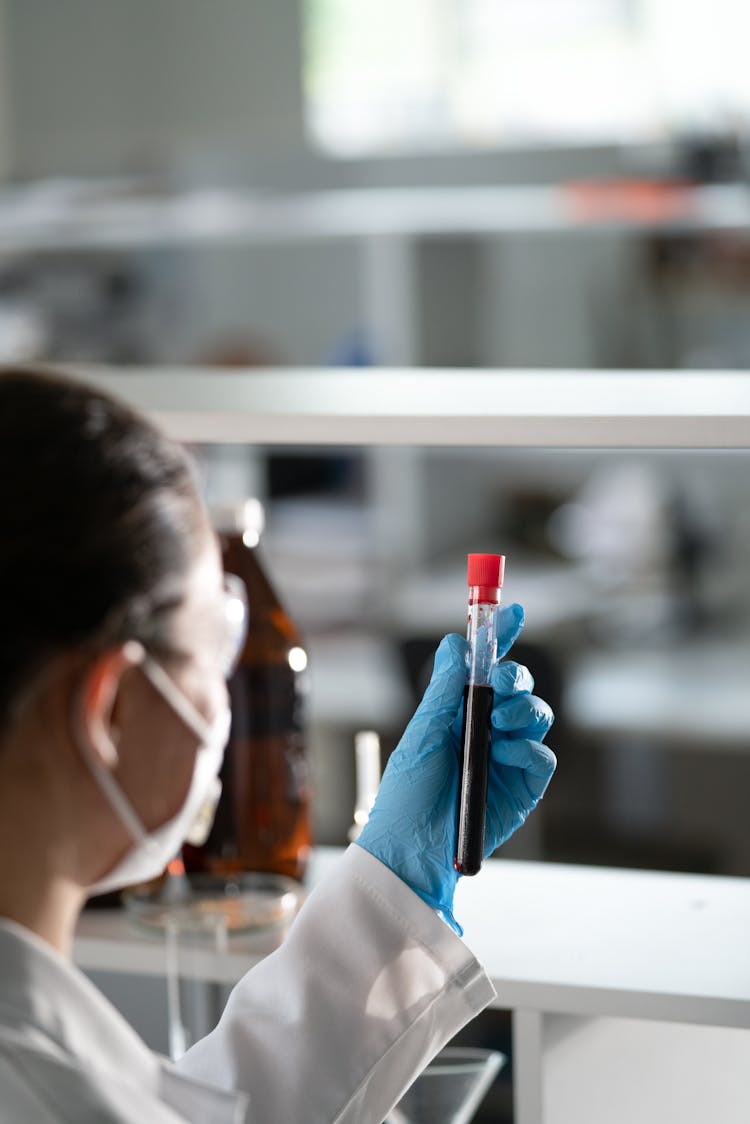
(153, 850)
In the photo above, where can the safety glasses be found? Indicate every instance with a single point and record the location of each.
(213, 635)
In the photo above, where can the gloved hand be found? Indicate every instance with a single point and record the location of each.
(412, 826)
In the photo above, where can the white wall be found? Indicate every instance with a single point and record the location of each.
(103, 86)
(5, 90)
(210, 92)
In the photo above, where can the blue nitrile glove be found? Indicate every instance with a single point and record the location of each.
(412, 826)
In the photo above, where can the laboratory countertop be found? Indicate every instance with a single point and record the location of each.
(553, 938)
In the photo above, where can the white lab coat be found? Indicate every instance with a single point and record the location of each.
(332, 1027)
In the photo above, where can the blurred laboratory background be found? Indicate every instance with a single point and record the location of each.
(435, 183)
(523, 183)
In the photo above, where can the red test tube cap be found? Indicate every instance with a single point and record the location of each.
(485, 573)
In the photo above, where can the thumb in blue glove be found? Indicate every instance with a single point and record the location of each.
(412, 826)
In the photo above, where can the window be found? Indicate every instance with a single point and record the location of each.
(394, 76)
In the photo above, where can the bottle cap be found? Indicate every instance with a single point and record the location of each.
(246, 518)
(485, 576)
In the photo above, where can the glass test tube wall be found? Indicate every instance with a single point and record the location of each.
(485, 579)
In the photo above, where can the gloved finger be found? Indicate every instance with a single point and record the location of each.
(510, 678)
(535, 759)
(509, 620)
(445, 690)
(523, 716)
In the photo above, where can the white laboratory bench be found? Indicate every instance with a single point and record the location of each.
(564, 945)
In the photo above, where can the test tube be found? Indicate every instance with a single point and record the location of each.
(367, 753)
(485, 578)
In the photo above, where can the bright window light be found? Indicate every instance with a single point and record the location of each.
(394, 76)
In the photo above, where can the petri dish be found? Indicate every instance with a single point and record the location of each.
(238, 903)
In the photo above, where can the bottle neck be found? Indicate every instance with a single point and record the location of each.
(246, 519)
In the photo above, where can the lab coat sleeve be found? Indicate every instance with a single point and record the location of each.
(337, 1023)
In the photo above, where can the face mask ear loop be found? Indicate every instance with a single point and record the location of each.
(95, 745)
(180, 704)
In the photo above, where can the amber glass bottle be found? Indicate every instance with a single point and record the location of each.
(263, 818)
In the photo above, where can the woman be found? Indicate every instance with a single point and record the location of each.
(118, 630)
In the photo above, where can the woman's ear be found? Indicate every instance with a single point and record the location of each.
(97, 696)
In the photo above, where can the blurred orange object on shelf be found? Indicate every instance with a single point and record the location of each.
(630, 201)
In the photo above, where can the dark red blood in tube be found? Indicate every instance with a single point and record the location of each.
(475, 761)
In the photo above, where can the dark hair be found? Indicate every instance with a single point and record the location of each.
(100, 518)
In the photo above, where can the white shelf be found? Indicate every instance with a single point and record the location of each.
(403, 406)
(79, 215)
(554, 938)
